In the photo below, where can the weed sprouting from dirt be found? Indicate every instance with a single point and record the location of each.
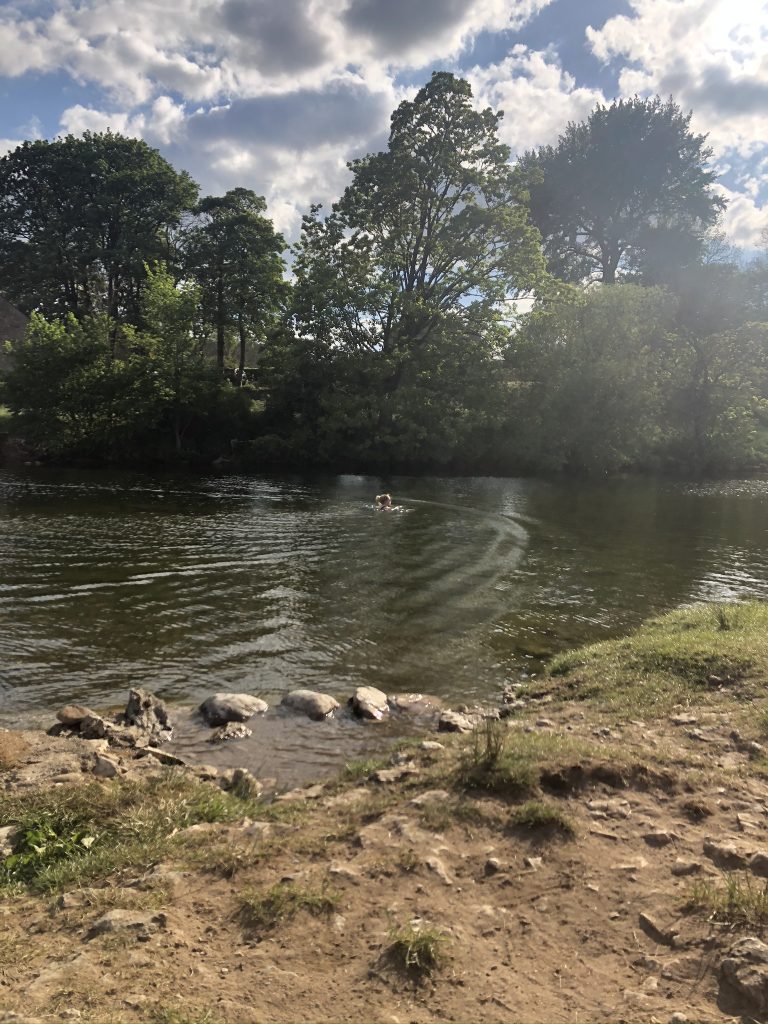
(262, 909)
(417, 949)
(356, 771)
(738, 902)
(540, 815)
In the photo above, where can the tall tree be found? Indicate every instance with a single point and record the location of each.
(416, 264)
(235, 253)
(627, 190)
(79, 219)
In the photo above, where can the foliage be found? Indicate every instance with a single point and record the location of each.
(401, 292)
(235, 255)
(626, 190)
(538, 815)
(66, 835)
(417, 949)
(264, 909)
(79, 219)
(40, 845)
(739, 902)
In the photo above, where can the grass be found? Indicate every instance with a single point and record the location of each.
(417, 949)
(675, 659)
(261, 910)
(68, 835)
(508, 762)
(738, 902)
(538, 815)
(357, 771)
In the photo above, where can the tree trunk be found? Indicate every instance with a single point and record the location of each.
(241, 332)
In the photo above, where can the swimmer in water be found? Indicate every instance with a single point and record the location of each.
(384, 504)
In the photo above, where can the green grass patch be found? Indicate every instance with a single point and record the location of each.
(68, 835)
(686, 656)
(740, 902)
(508, 762)
(540, 815)
(264, 909)
(417, 949)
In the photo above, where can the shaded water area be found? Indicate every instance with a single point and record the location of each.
(190, 586)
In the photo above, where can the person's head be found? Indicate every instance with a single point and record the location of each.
(384, 499)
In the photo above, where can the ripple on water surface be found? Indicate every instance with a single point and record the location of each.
(192, 586)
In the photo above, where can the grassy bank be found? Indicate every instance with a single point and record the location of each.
(693, 655)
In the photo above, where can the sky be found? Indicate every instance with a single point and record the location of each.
(277, 95)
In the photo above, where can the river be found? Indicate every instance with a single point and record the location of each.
(189, 586)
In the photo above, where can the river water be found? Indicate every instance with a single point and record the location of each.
(189, 586)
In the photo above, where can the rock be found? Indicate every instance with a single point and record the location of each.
(148, 714)
(72, 715)
(105, 767)
(316, 706)
(430, 796)
(142, 923)
(758, 864)
(368, 702)
(346, 872)
(397, 774)
(683, 867)
(492, 866)
(678, 1017)
(230, 731)
(70, 1013)
(683, 719)
(7, 840)
(724, 855)
(745, 968)
(660, 838)
(655, 931)
(431, 746)
(436, 865)
(93, 727)
(454, 721)
(240, 782)
(533, 863)
(612, 807)
(754, 748)
(222, 708)
(545, 723)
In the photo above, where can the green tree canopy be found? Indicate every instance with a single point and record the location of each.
(416, 265)
(235, 254)
(79, 219)
(627, 190)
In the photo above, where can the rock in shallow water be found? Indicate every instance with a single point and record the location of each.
(231, 731)
(316, 705)
(368, 702)
(231, 707)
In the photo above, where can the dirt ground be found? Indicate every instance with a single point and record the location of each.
(538, 924)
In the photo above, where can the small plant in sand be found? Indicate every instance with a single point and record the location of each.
(417, 949)
(540, 815)
(739, 902)
(261, 909)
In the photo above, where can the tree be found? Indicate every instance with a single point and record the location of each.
(584, 380)
(235, 254)
(416, 264)
(80, 218)
(174, 344)
(69, 395)
(625, 191)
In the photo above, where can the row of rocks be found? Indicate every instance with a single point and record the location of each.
(146, 722)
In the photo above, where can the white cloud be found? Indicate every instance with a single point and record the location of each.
(744, 221)
(538, 98)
